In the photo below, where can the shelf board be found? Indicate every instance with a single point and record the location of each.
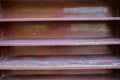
(60, 19)
(61, 77)
(59, 42)
(60, 63)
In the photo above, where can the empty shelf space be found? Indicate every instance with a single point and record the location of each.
(60, 63)
(69, 10)
(60, 50)
(60, 19)
(59, 72)
(59, 42)
(58, 77)
(58, 30)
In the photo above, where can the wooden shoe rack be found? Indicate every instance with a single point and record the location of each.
(59, 39)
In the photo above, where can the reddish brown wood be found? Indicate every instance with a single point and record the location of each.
(59, 50)
(57, 9)
(1, 10)
(59, 40)
(1, 52)
(2, 31)
(59, 30)
(57, 72)
(118, 30)
(64, 77)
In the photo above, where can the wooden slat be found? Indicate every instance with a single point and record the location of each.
(58, 50)
(65, 77)
(60, 63)
(57, 72)
(59, 19)
(60, 42)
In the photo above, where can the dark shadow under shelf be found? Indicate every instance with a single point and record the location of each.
(58, 77)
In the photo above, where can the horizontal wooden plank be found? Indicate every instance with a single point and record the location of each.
(64, 77)
(58, 50)
(60, 19)
(59, 42)
(60, 63)
(57, 72)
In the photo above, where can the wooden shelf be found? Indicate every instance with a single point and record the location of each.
(60, 63)
(61, 77)
(60, 19)
(59, 42)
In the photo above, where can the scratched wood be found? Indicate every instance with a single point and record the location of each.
(57, 9)
(57, 30)
(59, 50)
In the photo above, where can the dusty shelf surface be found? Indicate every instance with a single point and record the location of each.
(59, 42)
(60, 63)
